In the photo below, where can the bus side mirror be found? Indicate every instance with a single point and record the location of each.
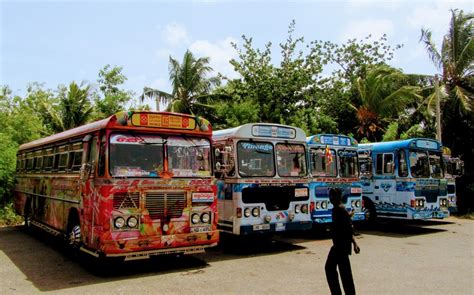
(85, 171)
(217, 152)
(218, 166)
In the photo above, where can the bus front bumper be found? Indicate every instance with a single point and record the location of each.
(275, 227)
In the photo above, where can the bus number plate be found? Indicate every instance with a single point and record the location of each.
(261, 226)
(280, 226)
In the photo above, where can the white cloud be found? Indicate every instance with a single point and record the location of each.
(435, 16)
(361, 29)
(220, 53)
(175, 34)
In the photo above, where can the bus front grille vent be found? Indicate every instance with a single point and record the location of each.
(165, 205)
(126, 200)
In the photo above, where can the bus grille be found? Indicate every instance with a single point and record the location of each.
(275, 198)
(165, 205)
(126, 200)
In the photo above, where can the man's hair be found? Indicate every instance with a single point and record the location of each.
(335, 193)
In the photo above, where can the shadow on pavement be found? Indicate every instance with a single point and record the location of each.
(49, 265)
(401, 228)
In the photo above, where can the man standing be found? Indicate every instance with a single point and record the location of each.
(342, 237)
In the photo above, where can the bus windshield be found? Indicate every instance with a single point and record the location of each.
(348, 163)
(419, 165)
(142, 156)
(291, 159)
(435, 165)
(322, 164)
(255, 159)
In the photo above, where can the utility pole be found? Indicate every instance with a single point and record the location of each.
(438, 108)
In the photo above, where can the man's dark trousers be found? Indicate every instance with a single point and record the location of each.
(338, 258)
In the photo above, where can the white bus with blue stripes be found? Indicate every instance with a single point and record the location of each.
(333, 164)
(404, 179)
(262, 179)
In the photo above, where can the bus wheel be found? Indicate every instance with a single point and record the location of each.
(74, 235)
(27, 216)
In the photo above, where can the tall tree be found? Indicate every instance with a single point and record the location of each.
(73, 108)
(383, 96)
(191, 86)
(456, 65)
(455, 60)
(111, 98)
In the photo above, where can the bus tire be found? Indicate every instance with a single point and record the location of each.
(371, 213)
(27, 215)
(74, 237)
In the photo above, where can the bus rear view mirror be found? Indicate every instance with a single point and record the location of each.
(218, 166)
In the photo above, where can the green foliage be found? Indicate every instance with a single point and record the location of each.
(391, 133)
(111, 98)
(279, 93)
(191, 86)
(8, 215)
(233, 114)
(8, 150)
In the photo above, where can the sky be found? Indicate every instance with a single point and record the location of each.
(56, 42)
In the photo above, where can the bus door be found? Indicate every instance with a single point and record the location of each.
(225, 174)
(366, 172)
(87, 183)
(385, 184)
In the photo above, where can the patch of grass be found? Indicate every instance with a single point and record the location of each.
(467, 216)
(8, 216)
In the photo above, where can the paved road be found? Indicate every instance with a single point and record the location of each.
(417, 258)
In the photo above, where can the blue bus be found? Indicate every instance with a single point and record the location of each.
(404, 179)
(334, 164)
(262, 179)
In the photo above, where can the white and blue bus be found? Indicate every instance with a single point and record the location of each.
(333, 164)
(404, 179)
(262, 179)
(453, 168)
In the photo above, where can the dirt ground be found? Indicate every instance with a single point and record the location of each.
(435, 257)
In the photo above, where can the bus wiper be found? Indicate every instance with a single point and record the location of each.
(143, 141)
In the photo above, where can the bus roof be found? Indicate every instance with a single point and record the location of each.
(413, 143)
(331, 139)
(131, 120)
(262, 131)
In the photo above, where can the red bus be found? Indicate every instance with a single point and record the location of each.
(133, 185)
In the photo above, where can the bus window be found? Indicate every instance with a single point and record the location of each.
(30, 162)
(76, 160)
(402, 164)
(48, 163)
(436, 169)
(62, 164)
(188, 157)
(419, 164)
(348, 163)
(140, 156)
(101, 171)
(255, 159)
(39, 164)
(291, 159)
(384, 164)
(322, 164)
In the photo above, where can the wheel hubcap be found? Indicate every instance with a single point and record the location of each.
(75, 236)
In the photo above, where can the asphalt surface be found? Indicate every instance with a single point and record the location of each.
(435, 257)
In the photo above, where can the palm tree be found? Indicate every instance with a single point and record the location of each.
(455, 60)
(382, 97)
(191, 86)
(74, 108)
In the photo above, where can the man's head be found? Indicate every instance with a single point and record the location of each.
(335, 196)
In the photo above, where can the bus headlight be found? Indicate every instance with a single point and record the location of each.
(324, 204)
(297, 209)
(256, 212)
(352, 203)
(132, 222)
(357, 203)
(247, 212)
(304, 208)
(205, 217)
(268, 218)
(195, 218)
(119, 222)
(317, 206)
